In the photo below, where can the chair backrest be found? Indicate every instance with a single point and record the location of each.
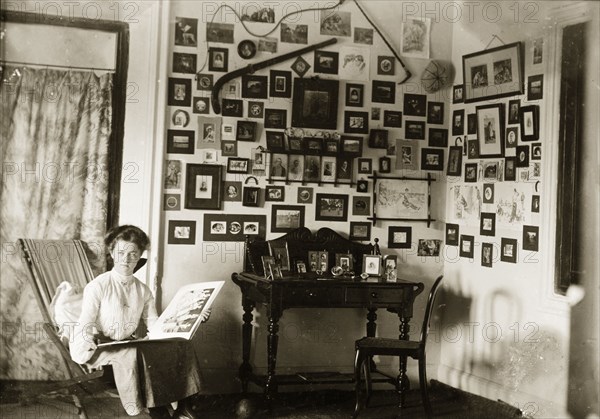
(50, 262)
(429, 309)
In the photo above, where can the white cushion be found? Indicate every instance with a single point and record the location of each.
(66, 307)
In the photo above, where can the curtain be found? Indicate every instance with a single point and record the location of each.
(55, 129)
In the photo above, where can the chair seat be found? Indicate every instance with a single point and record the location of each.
(386, 343)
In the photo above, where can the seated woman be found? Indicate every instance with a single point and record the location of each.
(151, 374)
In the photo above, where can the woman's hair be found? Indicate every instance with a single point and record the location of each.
(128, 233)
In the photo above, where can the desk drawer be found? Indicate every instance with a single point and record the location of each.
(375, 295)
(309, 297)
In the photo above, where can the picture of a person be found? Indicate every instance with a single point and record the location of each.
(278, 169)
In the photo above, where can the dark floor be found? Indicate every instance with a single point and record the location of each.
(446, 403)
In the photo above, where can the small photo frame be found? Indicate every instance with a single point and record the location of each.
(274, 193)
(513, 111)
(452, 234)
(512, 137)
(331, 147)
(326, 62)
(360, 230)
(467, 246)
(508, 250)
(472, 124)
(385, 65)
(487, 254)
(180, 142)
(204, 81)
(246, 49)
(305, 195)
(186, 31)
(365, 166)
(407, 155)
(233, 107)
(180, 92)
(536, 151)
(488, 193)
(344, 169)
(313, 145)
(458, 122)
(471, 172)
(275, 118)
(254, 87)
(414, 130)
(328, 169)
(286, 218)
(351, 146)
(531, 238)
(383, 92)
(203, 186)
(267, 261)
(171, 202)
(256, 109)
(457, 93)
(354, 94)
(356, 122)
(435, 113)
(510, 169)
(361, 205)
(184, 63)
(399, 237)
(258, 158)
(181, 232)
(280, 83)
(238, 165)
(378, 138)
(523, 156)
(487, 224)
(385, 164)
(251, 196)
(218, 59)
(275, 141)
(490, 130)
(530, 122)
(331, 207)
(279, 166)
(454, 161)
(390, 268)
(180, 118)
(295, 145)
(295, 167)
(345, 261)
(429, 247)
(362, 186)
(392, 119)
(535, 87)
(201, 105)
(372, 265)
(432, 159)
(535, 203)
(415, 105)
(246, 131)
(232, 191)
(280, 253)
(472, 149)
(438, 137)
(301, 267)
(312, 168)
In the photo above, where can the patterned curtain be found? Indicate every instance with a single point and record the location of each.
(55, 128)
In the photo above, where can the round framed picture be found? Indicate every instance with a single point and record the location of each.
(247, 49)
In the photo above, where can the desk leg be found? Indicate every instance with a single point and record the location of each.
(272, 341)
(371, 330)
(403, 383)
(246, 369)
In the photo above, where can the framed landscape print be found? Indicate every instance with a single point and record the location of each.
(315, 103)
(402, 198)
(180, 141)
(493, 73)
(360, 230)
(285, 218)
(203, 186)
(331, 207)
(399, 237)
(356, 122)
(490, 130)
(254, 87)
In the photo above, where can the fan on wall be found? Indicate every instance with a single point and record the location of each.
(437, 75)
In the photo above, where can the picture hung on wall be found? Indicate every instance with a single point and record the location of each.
(508, 250)
(294, 34)
(315, 103)
(467, 245)
(378, 138)
(233, 107)
(312, 168)
(186, 31)
(493, 73)
(331, 207)
(458, 126)
(535, 203)
(233, 227)
(204, 81)
(487, 225)
(218, 59)
(210, 156)
(344, 169)
(432, 159)
(275, 141)
(278, 169)
(219, 32)
(385, 164)
(399, 237)
(184, 63)
(435, 112)
(201, 105)
(356, 122)
(246, 131)
(415, 37)
(203, 186)
(251, 196)
(351, 146)
(363, 36)
(365, 166)
(209, 132)
(385, 65)
(510, 169)
(392, 119)
(274, 193)
(328, 169)
(452, 234)
(472, 124)
(181, 232)
(180, 92)
(326, 62)
(488, 193)
(258, 159)
(471, 172)
(360, 230)
(383, 91)
(407, 155)
(256, 109)
(246, 49)
(296, 167)
(280, 83)
(490, 130)
(300, 66)
(254, 87)
(305, 195)
(375, 114)
(180, 142)
(472, 149)
(429, 247)
(232, 191)
(313, 145)
(522, 156)
(228, 132)
(492, 170)
(457, 93)
(415, 105)
(512, 137)
(354, 94)
(171, 202)
(513, 111)
(454, 161)
(295, 145)
(535, 87)
(438, 137)
(285, 218)
(331, 147)
(172, 178)
(362, 186)
(530, 122)
(414, 130)
(354, 63)
(487, 254)
(238, 165)
(275, 118)
(335, 23)
(402, 198)
(531, 238)
(536, 151)
(180, 118)
(361, 205)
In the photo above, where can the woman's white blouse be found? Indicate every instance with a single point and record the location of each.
(113, 304)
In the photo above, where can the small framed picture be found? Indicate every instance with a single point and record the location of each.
(256, 110)
(487, 224)
(535, 87)
(414, 130)
(487, 254)
(510, 168)
(254, 87)
(378, 138)
(458, 124)
(295, 145)
(390, 268)
(275, 141)
(351, 146)
(362, 186)
(180, 92)
(246, 131)
(280, 253)
(296, 167)
(530, 121)
(180, 118)
(181, 232)
(429, 247)
(356, 122)
(279, 166)
(331, 147)
(344, 169)
(535, 203)
(438, 137)
(415, 105)
(457, 94)
(328, 169)
(313, 145)
(365, 166)
(385, 65)
(251, 196)
(184, 63)
(305, 195)
(246, 49)
(407, 155)
(513, 111)
(360, 230)
(467, 245)
(392, 119)
(508, 250)
(536, 151)
(218, 59)
(512, 137)
(201, 105)
(204, 81)
(258, 158)
(233, 107)
(286, 218)
(331, 207)
(232, 191)
(522, 156)
(435, 112)
(531, 238)
(372, 265)
(280, 83)
(301, 267)
(471, 172)
(488, 193)
(345, 261)
(490, 130)
(399, 237)
(385, 164)
(472, 124)
(375, 113)
(361, 205)
(238, 165)
(354, 94)
(274, 193)
(312, 168)
(432, 159)
(171, 202)
(326, 62)
(452, 234)
(383, 91)
(454, 161)
(275, 118)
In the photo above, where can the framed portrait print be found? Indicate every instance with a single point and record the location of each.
(312, 168)
(180, 118)
(360, 230)
(279, 166)
(432, 159)
(493, 73)
(354, 94)
(467, 245)
(251, 196)
(490, 130)
(372, 265)
(180, 92)
(458, 122)
(487, 254)
(510, 168)
(328, 169)
(535, 87)
(180, 141)
(315, 103)
(487, 224)
(399, 237)
(280, 83)
(295, 167)
(356, 122)
(203, 186)
(218, 59)
(513, 111)
(508, 250)
(471, 172)
(285, 218)
(457, 93)
(365, 166)
(454, 161)
(181, 232)
(407, 155)
(522, 156)
(254, 87)
(530, 122)
(385, 164)
(331, 207)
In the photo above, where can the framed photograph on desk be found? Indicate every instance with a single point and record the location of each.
(372, 265)
(281, 255)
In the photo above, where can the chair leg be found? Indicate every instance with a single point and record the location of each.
(367, 363)
(80, 409)
(358, 363)
(424, 386)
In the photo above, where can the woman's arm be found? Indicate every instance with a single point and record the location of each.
(82, 345)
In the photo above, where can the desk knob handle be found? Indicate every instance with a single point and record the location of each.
(374, 295)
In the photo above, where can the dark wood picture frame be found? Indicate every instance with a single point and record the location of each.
(326, 62)
(233, 162)
(181, 232)
(399, 237)
(179, 92)
(203, 186)
(355, 94)
(254, 87)
(356, 122)
(315, 103)
(487, 224)
(414, 130)
(383, 91)
(432, 159)
(491, 130)
(508, 250)
(280, 83)
(454, 167)
(279, 225)
(180, 141)
(529, 119)
(275, 118)
(452, 234)
(327, 207)
(218, 59)
(246, 131)
(392, 119)
(466, 246)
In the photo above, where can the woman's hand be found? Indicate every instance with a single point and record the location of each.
(204, 316)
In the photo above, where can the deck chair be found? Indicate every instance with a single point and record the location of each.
(48, 263)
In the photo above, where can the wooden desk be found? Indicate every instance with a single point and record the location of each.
(308, 292)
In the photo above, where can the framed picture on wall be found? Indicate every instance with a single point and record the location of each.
(356, 122)
(285, 218)
(331, 207)
(218, 59)
(530, 122)
(181, 232)
(315, 103)
(180, 141)
(354, 94)
(490, 130)
(180, 92)
(399, 237)
(254, 87)
(360, 230)
(203, 186)
(280, 83)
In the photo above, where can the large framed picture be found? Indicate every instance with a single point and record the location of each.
(203, 186)
(285, 218)
(402, 198)
(315, 103)
(493, 73)
(490, 130)
(331, 207)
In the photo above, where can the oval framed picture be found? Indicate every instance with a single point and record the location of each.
(247, 49)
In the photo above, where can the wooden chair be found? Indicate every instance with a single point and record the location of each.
(371, 346)
(48, 263)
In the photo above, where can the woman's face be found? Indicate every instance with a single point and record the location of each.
(125, 255)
